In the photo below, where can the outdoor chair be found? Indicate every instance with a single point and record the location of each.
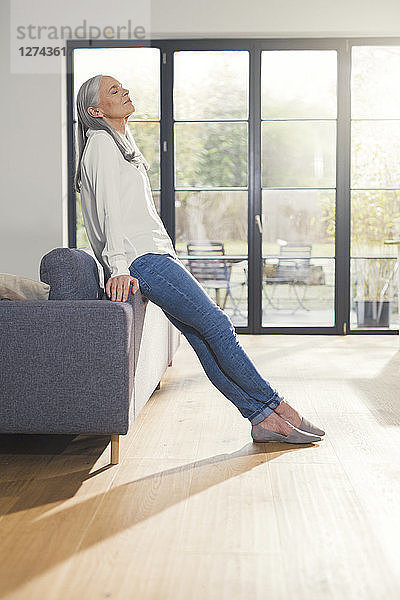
(212, 273)
(293, 269)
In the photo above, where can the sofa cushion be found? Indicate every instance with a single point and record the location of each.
(16, 287)
(99, 266)
(72, 275)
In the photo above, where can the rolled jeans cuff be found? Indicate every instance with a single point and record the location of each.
(265, 412)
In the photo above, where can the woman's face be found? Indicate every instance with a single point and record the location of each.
(114, 101)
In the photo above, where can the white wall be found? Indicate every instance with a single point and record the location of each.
(30, 219)
(33, 165)
(275, 18)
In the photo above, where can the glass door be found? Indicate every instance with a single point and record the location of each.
(210, 132)
(298, 182)
(375, 187)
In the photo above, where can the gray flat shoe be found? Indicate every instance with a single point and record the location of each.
(309, 427)
(261, 435)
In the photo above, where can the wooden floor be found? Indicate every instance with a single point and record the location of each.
(196, 511)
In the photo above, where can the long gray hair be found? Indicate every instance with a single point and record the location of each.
(88, 95)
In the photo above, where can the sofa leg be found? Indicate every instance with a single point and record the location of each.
(170, 363)
(114, 449)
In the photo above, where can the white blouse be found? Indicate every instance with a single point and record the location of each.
(118, 209)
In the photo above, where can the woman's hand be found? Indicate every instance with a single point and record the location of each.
(118, 287)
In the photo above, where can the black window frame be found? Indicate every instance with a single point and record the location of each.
(255, 46)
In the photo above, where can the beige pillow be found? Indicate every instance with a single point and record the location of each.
(29, 289)
(7, 294)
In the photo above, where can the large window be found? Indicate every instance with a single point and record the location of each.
(274, 165)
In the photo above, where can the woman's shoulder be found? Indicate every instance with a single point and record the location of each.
(99, 136)
(100, 142)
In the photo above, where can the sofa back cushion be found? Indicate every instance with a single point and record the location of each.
(72, 275)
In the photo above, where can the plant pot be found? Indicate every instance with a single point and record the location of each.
(373, 313)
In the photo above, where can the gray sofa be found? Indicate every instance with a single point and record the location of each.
(79, 363)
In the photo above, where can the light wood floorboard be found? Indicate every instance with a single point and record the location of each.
(196, 511)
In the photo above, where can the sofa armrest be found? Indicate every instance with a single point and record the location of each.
(66, 366)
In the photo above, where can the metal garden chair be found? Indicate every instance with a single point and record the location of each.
(213, 273)
(293, 269)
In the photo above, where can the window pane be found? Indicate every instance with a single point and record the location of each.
(298, 84)
(307, 300)
(147, 138)
(213, 216)
(375, 154)
(375, 82)
(138, 69)
(374, 296)
(157, 202)
(214, 224)
(375, 217)
(298, 283)
(298, 154)
(299, 216)
(211, 155)
(211, 85)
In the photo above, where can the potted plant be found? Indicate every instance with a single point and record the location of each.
(373, 291)
(375, 217)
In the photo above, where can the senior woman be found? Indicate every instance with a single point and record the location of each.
(131, 243)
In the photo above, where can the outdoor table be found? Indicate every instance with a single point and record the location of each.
(229, 261)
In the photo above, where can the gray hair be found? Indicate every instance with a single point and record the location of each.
(88, 95)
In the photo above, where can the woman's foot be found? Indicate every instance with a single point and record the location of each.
(288, 413)
(275, 429)
(276, 424)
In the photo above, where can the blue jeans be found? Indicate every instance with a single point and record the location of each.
(164, 280)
